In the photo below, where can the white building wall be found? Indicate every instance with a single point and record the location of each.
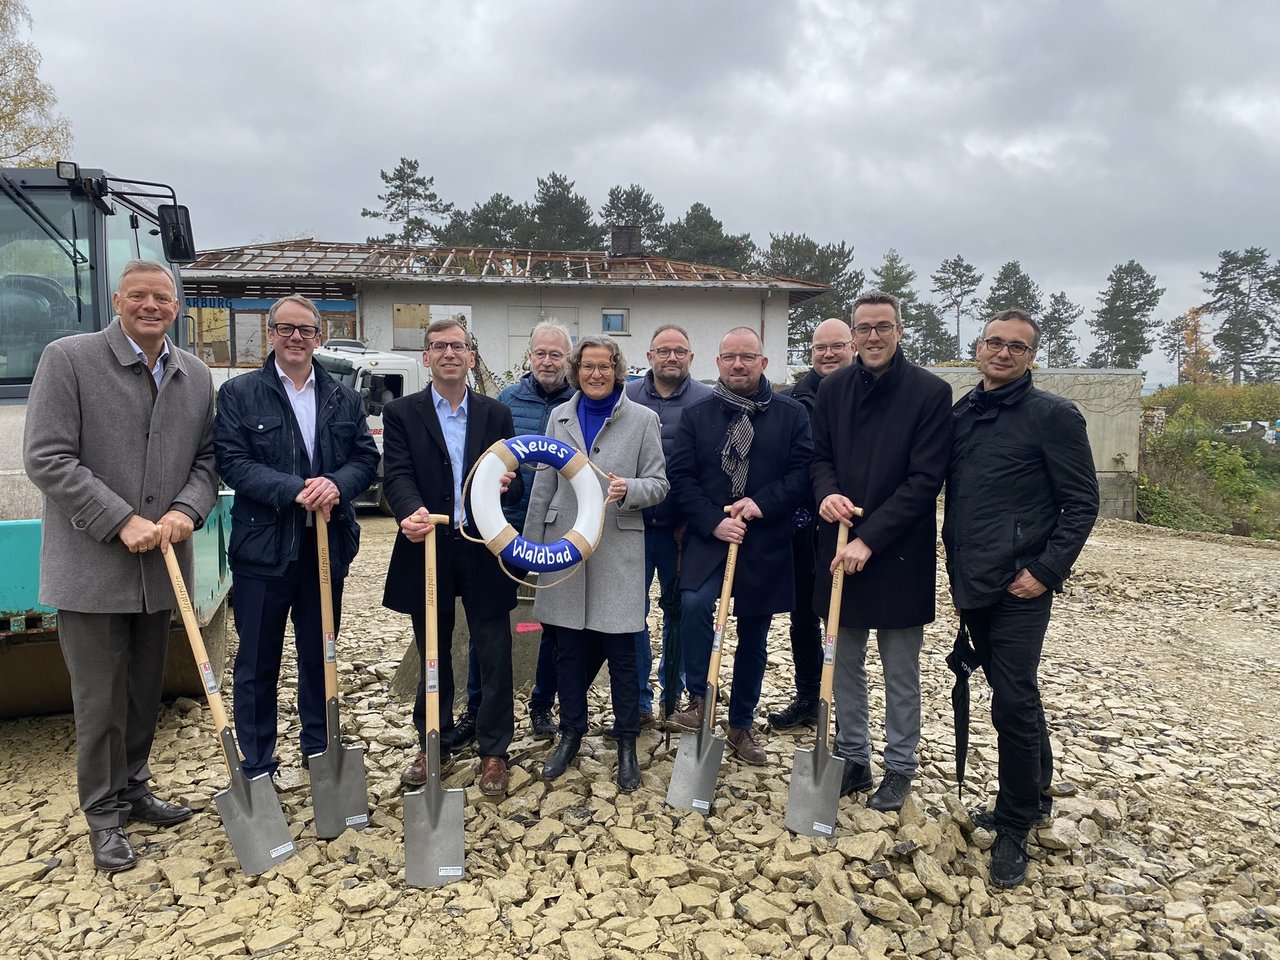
(502, 314)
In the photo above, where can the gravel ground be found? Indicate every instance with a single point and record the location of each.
(1160, 681)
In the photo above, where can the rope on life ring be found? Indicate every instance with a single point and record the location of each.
(501, 537)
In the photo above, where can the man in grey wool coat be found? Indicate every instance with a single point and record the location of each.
(119, 440)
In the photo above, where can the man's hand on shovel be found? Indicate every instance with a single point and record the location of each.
(836, 508)
(318, 493)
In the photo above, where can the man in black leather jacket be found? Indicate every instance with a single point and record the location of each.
(290, 440)
(1022, 496)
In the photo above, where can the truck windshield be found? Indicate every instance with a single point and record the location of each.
(40, 299)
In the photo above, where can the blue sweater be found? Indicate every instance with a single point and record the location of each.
(530, 408)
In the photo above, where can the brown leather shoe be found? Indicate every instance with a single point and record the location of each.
(746, 746)
(415, 774)
(647, 720)
(494, 777)
(690, 718)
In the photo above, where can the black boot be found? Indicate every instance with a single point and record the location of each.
(628, 765)
(565, 751)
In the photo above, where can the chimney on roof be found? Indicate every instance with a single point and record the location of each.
(624, 240)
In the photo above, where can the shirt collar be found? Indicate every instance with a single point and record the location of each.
(437, 400)
(288, 380)
(163, 359)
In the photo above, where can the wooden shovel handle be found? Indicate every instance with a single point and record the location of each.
(327, 633)
(431, 651)
(196, 639)
(833, 619)
(722, 618)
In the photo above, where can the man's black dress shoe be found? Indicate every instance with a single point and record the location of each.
(112, 851)
(151, 809)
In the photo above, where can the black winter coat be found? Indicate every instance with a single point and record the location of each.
(884, 444)
(777, 480)
(417, 473)
(260, 455)
(1022, 491)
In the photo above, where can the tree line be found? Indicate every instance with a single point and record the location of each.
(1233, 335)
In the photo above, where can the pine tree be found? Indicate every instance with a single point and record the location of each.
(1012, 289)
(927, 340)
(1182, 341)
(1122, 323)
(1244, 297)
(1058, 341)
(562, 219)
(699, 237)
(498, 222)
(797, 256)
(410, 201)
(634, 206)
(955, 282)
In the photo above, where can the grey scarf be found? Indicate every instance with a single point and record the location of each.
(735, 452)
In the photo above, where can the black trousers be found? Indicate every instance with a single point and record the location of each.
(262, 608)
(581, 653)
(491, 641)
(1009, 637)
(806, 625)
(116, 663)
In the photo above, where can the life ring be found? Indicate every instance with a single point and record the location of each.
(501, 537)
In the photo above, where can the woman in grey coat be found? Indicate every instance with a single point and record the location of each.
(598, 609)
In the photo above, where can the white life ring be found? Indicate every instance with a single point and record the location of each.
(501, 537)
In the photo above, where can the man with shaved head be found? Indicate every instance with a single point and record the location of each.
(832, 349)
(748, 449)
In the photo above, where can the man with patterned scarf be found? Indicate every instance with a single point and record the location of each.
(748, 449)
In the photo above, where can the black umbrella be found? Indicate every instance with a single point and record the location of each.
(672, 612)
(963, 660)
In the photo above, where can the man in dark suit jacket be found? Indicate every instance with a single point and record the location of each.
(747, 448)
(881, 440)
(430, 441)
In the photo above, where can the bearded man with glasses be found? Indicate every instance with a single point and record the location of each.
(881, 438)
(1022, 496)
(290, 440)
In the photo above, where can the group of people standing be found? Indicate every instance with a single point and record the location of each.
(123, 440)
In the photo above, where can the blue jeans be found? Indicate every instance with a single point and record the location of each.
(698, 628)
(660, 553)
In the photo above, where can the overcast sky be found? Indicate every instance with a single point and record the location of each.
(1070, 136)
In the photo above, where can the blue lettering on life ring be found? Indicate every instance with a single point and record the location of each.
(540, 557)
(534, 449)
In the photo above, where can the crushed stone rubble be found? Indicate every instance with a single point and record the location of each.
(1160, 677)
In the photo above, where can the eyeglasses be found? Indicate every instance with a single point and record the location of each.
(863, 330)
(287, 330)
(555, 356)
(728, 359)
(831, 347)
(442, 346)
(665, 352)
(591, 369)
(163, 299)
(995, 345)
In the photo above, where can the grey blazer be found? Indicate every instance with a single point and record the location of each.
(100, 452)
(608, 593)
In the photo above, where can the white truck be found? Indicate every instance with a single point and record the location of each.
(379, 378)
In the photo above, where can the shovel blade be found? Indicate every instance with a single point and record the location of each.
(339, 790)
(433, 836)
(254, 822)
(696, 770)
(813, 796)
